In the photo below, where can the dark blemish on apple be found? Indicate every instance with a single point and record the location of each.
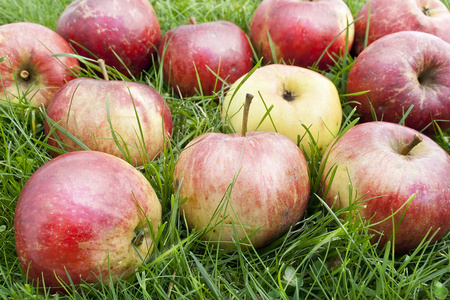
(233, 68)
(288, 96)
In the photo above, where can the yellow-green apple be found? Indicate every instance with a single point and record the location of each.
(301, 32)
(86, 215)
(395, 178)
(399, 70)
(104, 113)
(125, 33)
(389, 16)
(253, 184)
(30, 72)
(212, 54)
(289, 99)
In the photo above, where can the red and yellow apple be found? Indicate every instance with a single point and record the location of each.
(127, 119)
(124, 33)
(378, 18)
(30, 72)
(302, 33)
(84, 216)
(393, 177)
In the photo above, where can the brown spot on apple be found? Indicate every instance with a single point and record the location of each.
(289, 96)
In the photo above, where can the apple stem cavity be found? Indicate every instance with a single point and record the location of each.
(192, 21)
(426, 11)
(288, 96)
(138, 238)
(416, 140)
(25, 75)
(101, 63)
(248, 101)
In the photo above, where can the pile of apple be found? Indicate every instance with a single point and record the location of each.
(248, 187)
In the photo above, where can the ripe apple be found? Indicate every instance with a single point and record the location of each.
(389, 16)
(256, 181)
(399, 70)
(212, 53)
(83, 215)
(102, 113)
(302, 32)
(125, 33)
(378, 169)
(29, 70)
(296, 97)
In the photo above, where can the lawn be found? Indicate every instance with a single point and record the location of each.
(322, 257)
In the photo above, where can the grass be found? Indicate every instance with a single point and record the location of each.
(322, 257)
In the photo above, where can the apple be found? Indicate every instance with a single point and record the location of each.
(296, 98)
(82, 217)
(30, 71)
(203, 58)
(399, 70)
(302, 33)
(125, 33)
(391, 175)
(249, 187)
(389, 16)
(104, 113)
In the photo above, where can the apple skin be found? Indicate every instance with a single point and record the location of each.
(29, 47)
(79, 213)
(314, 103)
(301, 31)
(270, 192)
(367, 157)
(399, 70)
(389, 16)
(204, 50)
(129, 28)
(81, 108)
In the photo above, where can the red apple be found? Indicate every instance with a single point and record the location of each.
(257, 181)
(125, 33)
(389, 16)
(302, 31)
(213, 53)
(85, 215)
(399, 70)
(377, 169)
(30, 72)
(102, 113)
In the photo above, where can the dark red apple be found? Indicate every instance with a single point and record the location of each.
(213, 53)
(104, 113)
(389, 16)
(85, 215)
(399, 70)
(395, 178)
(29, 71)
(125, 33)
(302, 32)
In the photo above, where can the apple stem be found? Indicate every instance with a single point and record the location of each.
(248, 101)
(25, 75)
(101, 63)
(192, 21)
(416, 139)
